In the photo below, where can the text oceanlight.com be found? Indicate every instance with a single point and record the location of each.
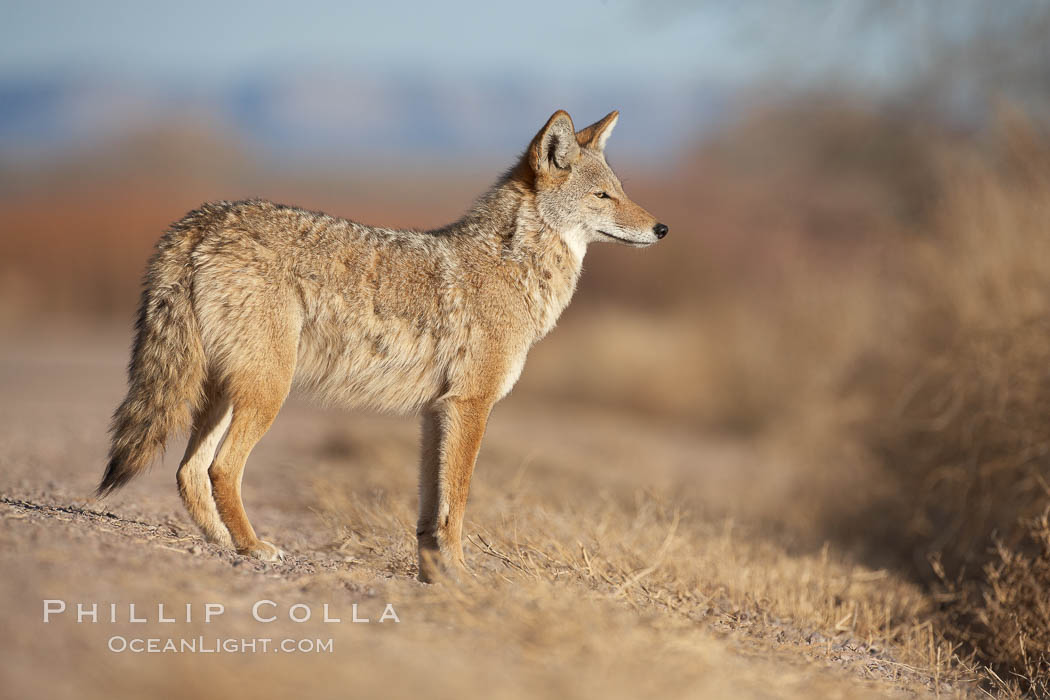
(202, 645)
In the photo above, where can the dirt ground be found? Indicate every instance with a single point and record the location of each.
(614, 557)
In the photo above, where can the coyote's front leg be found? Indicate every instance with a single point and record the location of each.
(452, 432)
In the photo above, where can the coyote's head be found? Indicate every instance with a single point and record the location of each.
(577, 193)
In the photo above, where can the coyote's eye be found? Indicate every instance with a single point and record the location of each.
(602, 195)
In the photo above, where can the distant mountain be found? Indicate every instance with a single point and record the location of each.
(316, 116)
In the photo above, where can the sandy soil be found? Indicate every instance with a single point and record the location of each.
(581, 527)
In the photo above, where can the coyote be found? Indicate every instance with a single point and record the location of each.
(244, 300)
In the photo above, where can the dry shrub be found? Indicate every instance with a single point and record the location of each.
(1006, 617)
(958, 412)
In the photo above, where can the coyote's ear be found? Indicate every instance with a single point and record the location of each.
(554, 148)
(595, 135)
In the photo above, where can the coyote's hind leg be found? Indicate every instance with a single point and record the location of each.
(256, 401)
(209, 425)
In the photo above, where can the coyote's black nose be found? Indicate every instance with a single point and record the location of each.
(660, 230)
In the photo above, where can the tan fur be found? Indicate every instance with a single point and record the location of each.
(245, 300)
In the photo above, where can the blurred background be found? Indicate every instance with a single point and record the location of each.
(857, 279)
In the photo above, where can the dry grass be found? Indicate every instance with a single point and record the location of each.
(555, 569)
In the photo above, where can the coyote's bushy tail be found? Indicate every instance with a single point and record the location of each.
(167, 370)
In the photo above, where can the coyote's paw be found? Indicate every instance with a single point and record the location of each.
(435, 567)
(264, 551)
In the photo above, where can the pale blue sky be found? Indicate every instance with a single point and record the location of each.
(205, 40)
(726, 43)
